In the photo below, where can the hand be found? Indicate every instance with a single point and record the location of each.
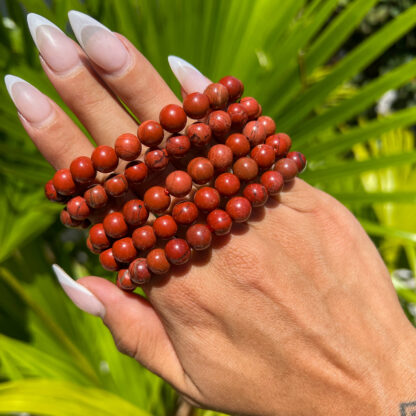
(292, 314)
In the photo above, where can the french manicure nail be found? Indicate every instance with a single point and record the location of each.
(187, 75)
(79, 294)
(29, 101)
(100, 44)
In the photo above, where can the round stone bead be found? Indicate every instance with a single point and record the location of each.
(128, 147)
(157, 261)
(156, 159)
(219, 222)
(227, 184)
(199, 236)
(172, 118)
(220, 123)
(255, 132)
(178, 145)
(207, 199)
(91, 248)
(124, 281)
(234, 86)
(68, 221)
(165, 227)
(299, 159)
(177, 251)
(268, 123)
(251, 106)
(178, 183)
(150, 133)
(144, 238)
(185, 213)
(201, 170)
(281, 144)
(245, 168)
(218, 96)
(108, 261)
(139, 272)
(63, 182)
(256, 194)
(96, 197)
(135, 213)
(136, 172)
(51, 194)
(221, 157)
(82, 169)
(287, 168)
(78, 209)
(114, 225)
(196, 105)
(238, 115)
(259, 112)
(272, 181)
(239, 144)
(199, 134)
(116, 185)
(124, 250)
(264, 156)
(98, 237)
(156, 199)
(104, 159)
(239, 208)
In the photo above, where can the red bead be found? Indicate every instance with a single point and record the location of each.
(268, 123)
(245, 168)
(124, 250)
(104, 159)
(251, 106)
(98, 237)
(239, 144)
(116, 185)
(139, 272)
(156, 199)
(156, 159)
(91, 248)
(196, 105)
(239, 208)
(299, 158)
(177, 251)
(51, 194)
(135, 213)
(157, 261)
(172, 118)
(201, 170)
(217, 95)
(68, 221)
(220, 122)
(256, 194)
(96, 197)
(185, 213)
(219, 222)
(238, 115)
(82, 169)
(272, 181)
(221, 157)
(63, 182)
(124, 281)
(165, 227)
(178, 145)
(178, 183)
(207, 198)
(287, 168)
(281, 144)
(264, 156)
(227, 184)
(144, 238)
(78, 209)
(259, 112)
(128, 147)
(108, 261)
(199, 236)
(255, 132)
(114, 225)
(199, 134)
(150, 133)
(234, 86)
(136, 172)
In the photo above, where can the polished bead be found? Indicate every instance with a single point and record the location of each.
(201, 170)
(144, 238)
(268, 123)
(234, 86)
(207, 199)
(177, 251)
(68, 221)
(156, 159)
(178, 145)
(239, 208)
(108, 261)
(245, 168)
(199, 236)
(217, 95)
(82, 169)
(136, 172)
(196, 105)
(139, 272)
(114, 225)
(219, 222)
(165, 226)
(98, 237)
(116, 185)
(255, 132)
(77, 208)
(96, 197)
(150, 133)
(272, 181)
(63, 182)
(172, 118)
(299, 158)
(178, 183)
(157, 261)
(185, 213)
(199, 134)
(220, 122)
(238, 115)
(256, 194)
(259, 113)
(91, 247)
(135, 213)
(128, 147)
(156, 199)
(227, 184)
(51, 194)
(239, 144)
(104, 159)
(251, 106)
(287, 168)
(124, 250)
(264, 156)
(221, 157)
(281, 144)
(124, 281)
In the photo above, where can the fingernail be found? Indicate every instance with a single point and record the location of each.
(100, 44)
(29, 101)
(187, 75)
(79, 294)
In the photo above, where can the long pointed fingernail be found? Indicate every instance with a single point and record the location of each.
(79, 294)
(58, 51)
(29, 101)
(100, 44)
(187, 75)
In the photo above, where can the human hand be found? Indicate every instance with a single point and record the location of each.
(291, 315)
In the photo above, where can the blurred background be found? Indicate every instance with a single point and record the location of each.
(337, 75)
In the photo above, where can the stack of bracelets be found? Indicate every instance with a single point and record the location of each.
(226, 163)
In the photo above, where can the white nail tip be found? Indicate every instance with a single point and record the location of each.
(65, 280)
(175, 63)
(10, 80)
(34, 21)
